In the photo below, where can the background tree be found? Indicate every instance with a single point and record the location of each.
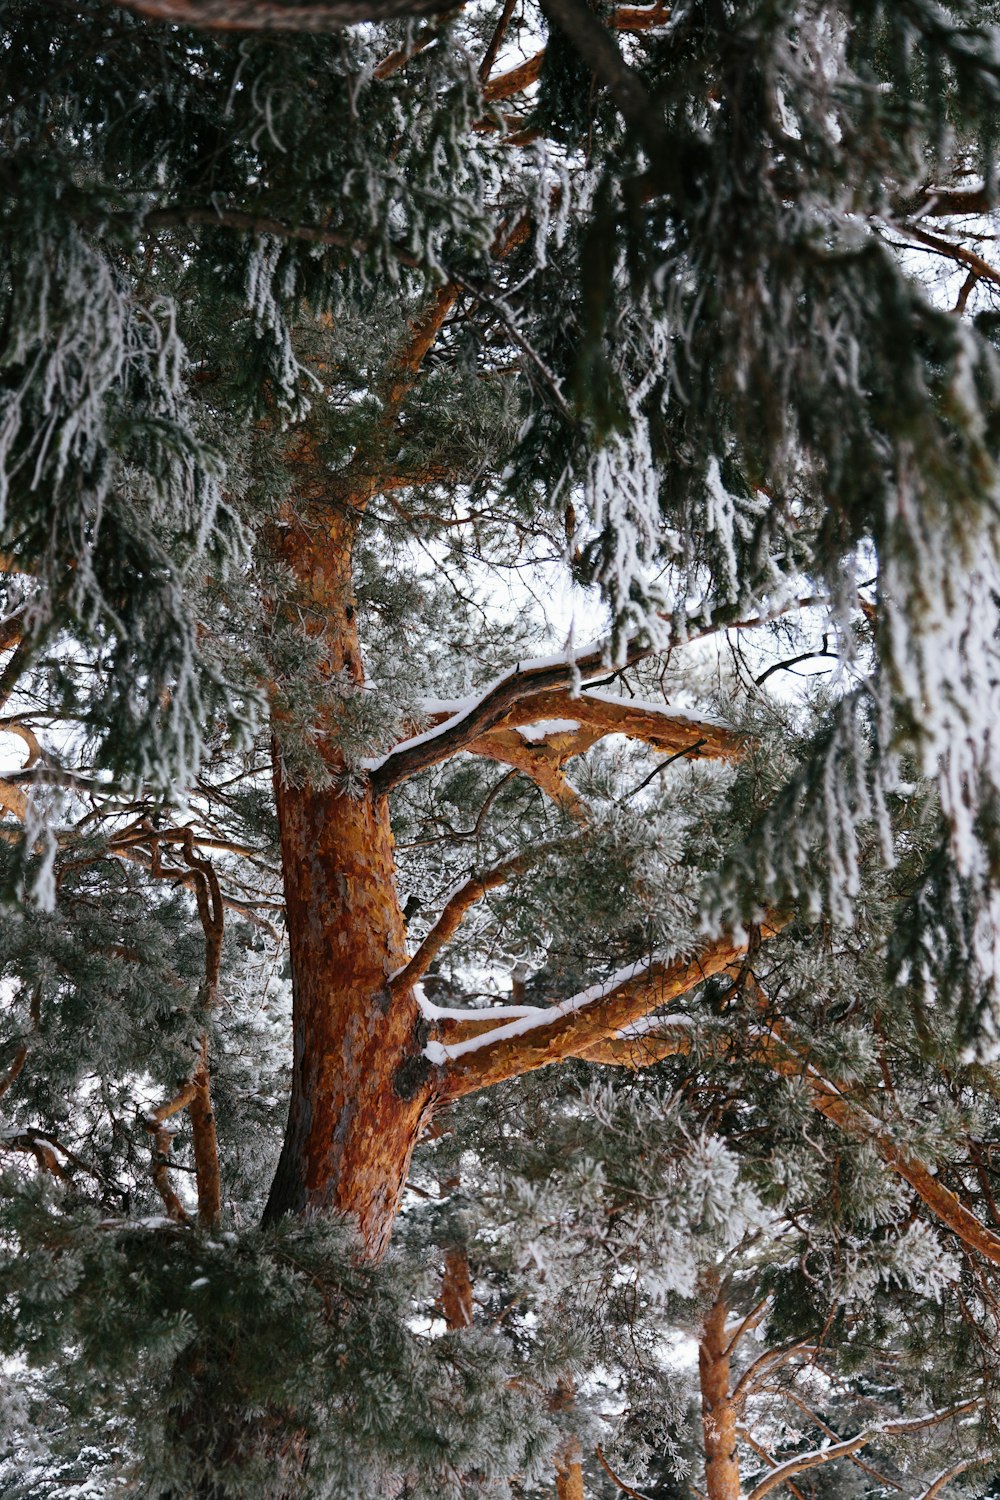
(309, 338)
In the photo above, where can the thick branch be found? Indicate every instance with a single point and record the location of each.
(943, 203)
(515, 80)
(640, 1051)
(569, 1027)
(495, 706)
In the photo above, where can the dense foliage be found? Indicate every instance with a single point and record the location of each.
(672, 326)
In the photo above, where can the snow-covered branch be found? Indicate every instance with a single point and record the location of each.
(570, 1026)
(540, 692)
(830, 1451)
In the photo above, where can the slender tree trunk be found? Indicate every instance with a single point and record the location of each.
(569, 1474)
(359, 1081)
(456, 1289)
(718, 1412)
(569, 1469)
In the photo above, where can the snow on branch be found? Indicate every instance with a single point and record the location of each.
(570, 1026)
(830, 1451)
(541, 691)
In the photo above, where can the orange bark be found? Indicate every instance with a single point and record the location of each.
(718, 1411)
(358, 1078)
(456, 1289)
(558, 1034)
(569, 1474)
(359, 1081)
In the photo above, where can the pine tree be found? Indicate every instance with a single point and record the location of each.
(311, 338)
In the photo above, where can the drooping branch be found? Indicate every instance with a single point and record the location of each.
(565, 1029)
(595, 714)
(625, 1488)
(788, 1058)
(597, 48)
(590, 717)
(519, 697)
(775, 1045)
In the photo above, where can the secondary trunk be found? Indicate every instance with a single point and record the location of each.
(718, 1412)
(359, 1093)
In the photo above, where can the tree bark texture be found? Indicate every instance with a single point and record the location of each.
(359, 1092)
(569, 1474)
(718, 1410)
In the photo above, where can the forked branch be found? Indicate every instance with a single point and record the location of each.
(536, 691)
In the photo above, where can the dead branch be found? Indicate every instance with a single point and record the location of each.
(196, 1095)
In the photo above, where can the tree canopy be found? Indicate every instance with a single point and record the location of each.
(500, 837)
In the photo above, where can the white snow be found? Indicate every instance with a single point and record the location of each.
(543, 1015)
(566, 658)
(535, 733)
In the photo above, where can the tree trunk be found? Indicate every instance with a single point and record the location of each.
(456, 1289)
(359, 1080)
(569, 1469)
(569, 1474)
(718, 1412)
